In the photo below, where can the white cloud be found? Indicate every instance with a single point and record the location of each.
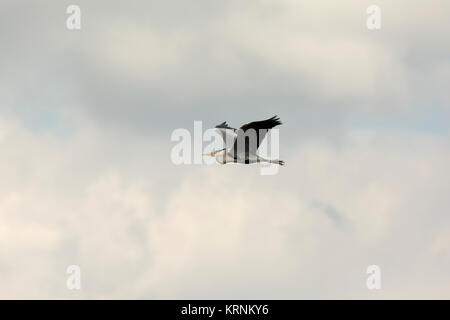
(225, 231)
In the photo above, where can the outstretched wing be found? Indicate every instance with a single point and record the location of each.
(227, 133)
(250, 136)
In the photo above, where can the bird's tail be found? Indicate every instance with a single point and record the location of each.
(280, 162)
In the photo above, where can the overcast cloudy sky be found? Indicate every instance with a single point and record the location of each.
(86, 176)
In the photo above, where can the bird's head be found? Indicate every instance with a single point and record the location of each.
(219, 154)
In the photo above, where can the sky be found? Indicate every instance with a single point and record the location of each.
(86, 176)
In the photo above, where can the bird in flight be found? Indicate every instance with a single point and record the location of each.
(246, 141)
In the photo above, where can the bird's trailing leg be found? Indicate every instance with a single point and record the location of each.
(280, 162)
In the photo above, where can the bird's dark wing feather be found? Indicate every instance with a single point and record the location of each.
(264, 124)
(259, 128)
(224, 125)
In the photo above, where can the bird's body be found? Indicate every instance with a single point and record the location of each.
(241, 144)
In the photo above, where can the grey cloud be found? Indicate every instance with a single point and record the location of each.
(337, 217)
(221, 65)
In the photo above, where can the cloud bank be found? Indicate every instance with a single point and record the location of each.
(86, 177)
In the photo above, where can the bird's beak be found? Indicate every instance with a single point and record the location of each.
(209, 154)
